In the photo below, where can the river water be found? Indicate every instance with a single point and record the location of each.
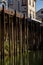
(26, 58)
(36, 58)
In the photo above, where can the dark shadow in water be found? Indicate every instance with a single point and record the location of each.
(26, 58)
(36, 58)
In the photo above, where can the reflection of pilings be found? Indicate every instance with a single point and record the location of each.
(2, 36)
(35, 57)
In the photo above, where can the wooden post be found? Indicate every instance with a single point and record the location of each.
(23, 38)
(16, 38)
(34, 47)
(27, 35)
(12, 45)
(14, 21)
(9, 38)
(2, 35)
(20, 45)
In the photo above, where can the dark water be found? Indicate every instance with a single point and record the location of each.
(36, 58)
(26, 58)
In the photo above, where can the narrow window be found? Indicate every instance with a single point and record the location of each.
(29, 2)
(24, 2)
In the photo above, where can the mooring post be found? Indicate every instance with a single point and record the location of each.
(14, 21)
(24, 32)
(9, 39)
(20, 25)
(23, 37)
(2, 35)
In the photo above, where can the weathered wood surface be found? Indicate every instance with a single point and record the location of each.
(12, 12)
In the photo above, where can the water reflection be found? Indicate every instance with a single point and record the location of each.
(36, 58)
(26, 58)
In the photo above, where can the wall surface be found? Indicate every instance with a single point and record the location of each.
(39, 14)
(24, 7)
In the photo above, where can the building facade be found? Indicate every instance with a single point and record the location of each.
(39, 15)
(32, 8)
(27, 7)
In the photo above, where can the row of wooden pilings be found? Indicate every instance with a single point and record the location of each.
(23, 35)
(14, 33)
